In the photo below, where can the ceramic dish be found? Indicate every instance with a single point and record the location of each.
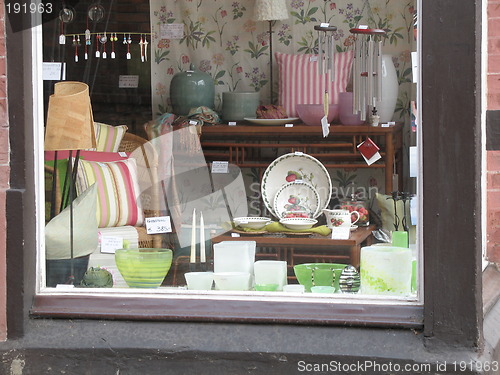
(251, 222)
(271, 121)
(297, 196)
(298, 223)
(292, 167)
(353, 228)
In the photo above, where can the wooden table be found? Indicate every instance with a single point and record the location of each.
(256, 146)
(296, 249)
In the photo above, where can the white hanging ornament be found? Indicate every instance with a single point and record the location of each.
(97, 52)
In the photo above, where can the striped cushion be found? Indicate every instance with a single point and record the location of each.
(299, 82)
(108, 137)
(118, 191)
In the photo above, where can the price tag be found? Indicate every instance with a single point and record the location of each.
(341, 233)
(325, 126)
(364, 27)
(193, 122)
(235, 235)
(122, 154)
(220, 167)
(324, 24)
(109, 244)
(298, 153)
(159, 224)
(232, 123)
(384, 125)
(172, 31)
(288, 125)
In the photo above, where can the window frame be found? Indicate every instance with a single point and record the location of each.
(66, 310)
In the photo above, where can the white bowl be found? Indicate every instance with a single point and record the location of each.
(252, 222)
(232, 280)
(298, 223)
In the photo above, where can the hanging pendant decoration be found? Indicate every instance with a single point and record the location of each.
(146, 47)
(367, 70)
(98, 41)
(141, 45)
(76, 44)
(129, 42)
(104, 40)
(113, 40)
(326, 56)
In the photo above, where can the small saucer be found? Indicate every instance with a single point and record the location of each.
(354, 227)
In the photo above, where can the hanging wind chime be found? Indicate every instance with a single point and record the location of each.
(326, 68)
(367, 71)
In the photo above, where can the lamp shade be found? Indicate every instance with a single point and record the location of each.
(70, 123)
(270, 10)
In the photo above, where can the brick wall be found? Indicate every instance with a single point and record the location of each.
(4, 171)
(493, 156)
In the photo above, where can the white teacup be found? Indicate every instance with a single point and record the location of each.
(340, 218)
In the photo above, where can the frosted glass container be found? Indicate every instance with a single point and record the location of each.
(386, 270)
(235, 256)
(270, 272)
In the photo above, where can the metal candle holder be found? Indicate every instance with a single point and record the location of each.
(367, 68)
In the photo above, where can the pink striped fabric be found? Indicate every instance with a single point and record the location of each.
(109, 137)
(300, 83)
(118, 191)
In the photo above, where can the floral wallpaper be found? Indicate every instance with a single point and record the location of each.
(222, 39)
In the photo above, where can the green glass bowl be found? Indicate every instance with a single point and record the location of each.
(321, 272)
(143, 268)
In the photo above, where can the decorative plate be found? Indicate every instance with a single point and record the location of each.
(292, 167)
(296, 196)
(271, 121)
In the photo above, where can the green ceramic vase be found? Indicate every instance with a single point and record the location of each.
(191, 89)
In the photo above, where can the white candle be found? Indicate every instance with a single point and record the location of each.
(202, 239)
(193, 238)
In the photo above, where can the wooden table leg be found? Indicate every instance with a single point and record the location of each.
(389, 162)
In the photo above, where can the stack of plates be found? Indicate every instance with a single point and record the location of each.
(296, 183)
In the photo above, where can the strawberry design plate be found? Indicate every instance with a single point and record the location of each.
(300, 167)
(297, 199)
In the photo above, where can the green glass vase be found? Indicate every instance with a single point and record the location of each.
(191, 89)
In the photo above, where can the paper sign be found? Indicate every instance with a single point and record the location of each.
(341, 233)
(325, 126)
(109, 244)
(288, 125)
(414, 66)
(232, 123)
(413, 211)
(172, 31)
(122, 154)
(413, 161)
(220, 167)
(51, 71)
(160, 224)
(368, 148)
(128, 81)
(235, 235)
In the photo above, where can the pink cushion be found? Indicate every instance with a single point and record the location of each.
(299, 82)
(117, 191)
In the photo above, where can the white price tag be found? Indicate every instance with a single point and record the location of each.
(160, 224)
(288, 125)
(122, 154)
(235, 235)
(109, 244)
(341, 233)
(298, 153)
(231, 123)
(193, 122)
(384, 125)
(324, 24)
(220, 167)
(325, 126)
(364, 27)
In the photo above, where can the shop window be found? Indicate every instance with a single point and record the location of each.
(161, 176)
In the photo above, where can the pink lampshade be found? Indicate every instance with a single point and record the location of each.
(270, 10)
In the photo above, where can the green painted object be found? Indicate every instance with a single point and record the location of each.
(191, 89)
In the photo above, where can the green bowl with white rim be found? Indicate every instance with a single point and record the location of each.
(318, 274)
(143, 268)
